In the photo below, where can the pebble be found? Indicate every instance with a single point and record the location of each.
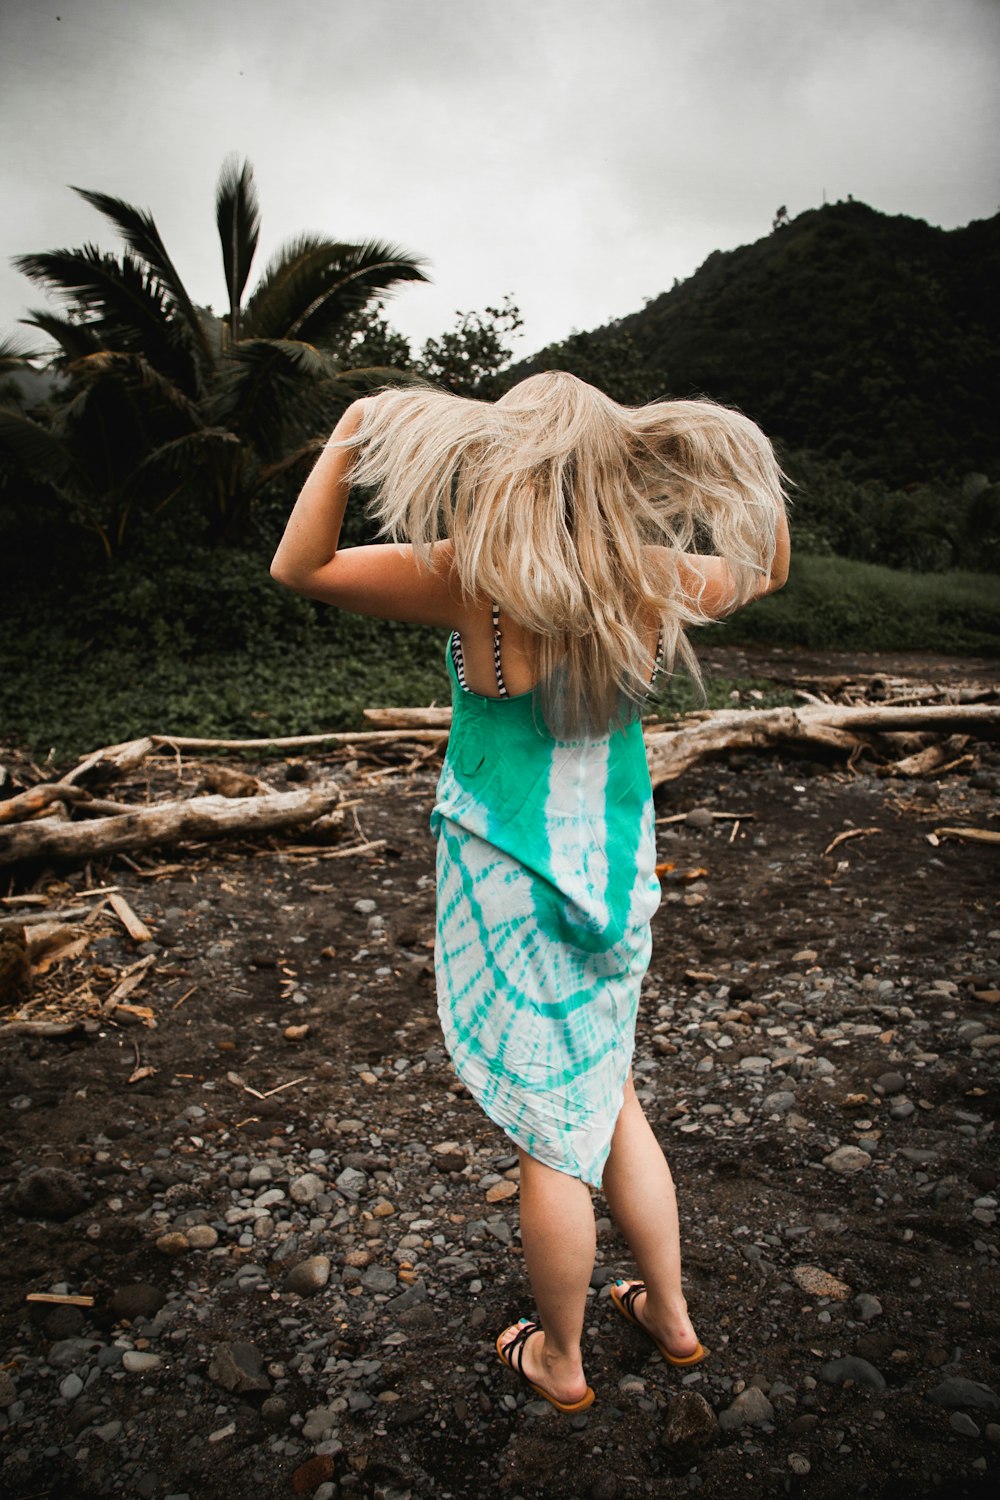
(867, 1307)
(49, 1193)
(820, 1283)
(958, 1391)
(963, 1425)
(890, 1083)
(309, 1276)
(238, 1366)
(852, 1367)
(798, 1463)
(202, 1236)
(306, 1188)
(847, 1159)
(70, 1387)
(174, 1243)
(750, 1409)
(139, 1363)
(690, 1424)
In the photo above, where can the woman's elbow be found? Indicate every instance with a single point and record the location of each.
(282, 573)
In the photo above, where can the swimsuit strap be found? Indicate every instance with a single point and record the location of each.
(458, 659)
(658, 662)
(501, 685)
(458, 656)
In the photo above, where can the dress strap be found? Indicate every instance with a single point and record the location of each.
(501, 685)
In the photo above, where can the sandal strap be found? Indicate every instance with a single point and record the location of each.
(514, 1350)
(628, 1297)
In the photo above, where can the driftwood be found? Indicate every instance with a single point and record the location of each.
(670, 753)
(409, 718)
(163, 823)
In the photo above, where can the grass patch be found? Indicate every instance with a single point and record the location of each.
(833, 604)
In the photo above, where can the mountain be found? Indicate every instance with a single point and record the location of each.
(865, 337)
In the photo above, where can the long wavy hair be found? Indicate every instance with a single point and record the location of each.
(552, 497)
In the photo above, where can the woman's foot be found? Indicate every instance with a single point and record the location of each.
(669, 1327)
(560, 1380)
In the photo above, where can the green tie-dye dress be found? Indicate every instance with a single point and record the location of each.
(545, 890)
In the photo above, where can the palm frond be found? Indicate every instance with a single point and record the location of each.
(266, 392)
(35, 447)
(237, 214)
(138, 228)
(126, 304)
(74, 339)
(137, 372)
(312, 285)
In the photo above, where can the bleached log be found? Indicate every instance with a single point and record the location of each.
(830, 726)
(409, 718)
(163, 823)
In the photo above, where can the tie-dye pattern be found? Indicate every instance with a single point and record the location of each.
(546, 887)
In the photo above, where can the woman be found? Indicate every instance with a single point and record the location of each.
(556, 535)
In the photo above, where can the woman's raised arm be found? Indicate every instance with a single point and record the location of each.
(387, 581)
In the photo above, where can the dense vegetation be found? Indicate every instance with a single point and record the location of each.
(146, 472)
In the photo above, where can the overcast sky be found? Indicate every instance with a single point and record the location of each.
(578, 154)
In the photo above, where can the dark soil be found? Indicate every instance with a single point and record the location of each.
(873, 959)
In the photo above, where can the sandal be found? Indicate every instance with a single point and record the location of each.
(625, 1303)
(512, 1355)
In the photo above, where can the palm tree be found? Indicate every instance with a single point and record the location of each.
(161, 398)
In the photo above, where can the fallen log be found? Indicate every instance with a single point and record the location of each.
(829, 726)
(409, 718)
(163, 823)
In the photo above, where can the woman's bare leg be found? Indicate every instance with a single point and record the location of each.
(640, 1193)
(559, 1240)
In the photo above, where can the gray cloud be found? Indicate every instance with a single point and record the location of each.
(577, 153)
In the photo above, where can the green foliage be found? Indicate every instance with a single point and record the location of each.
(468, 360)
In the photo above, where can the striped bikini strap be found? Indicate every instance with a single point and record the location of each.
(501, 685)
(658, 661)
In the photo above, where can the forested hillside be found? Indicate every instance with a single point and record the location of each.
(871, 339)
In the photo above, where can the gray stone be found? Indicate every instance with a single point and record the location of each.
(378, 1279)
(690, 1425)
(108, 1431)
(867, 1307)
(138, 1300)
(238, 1366)
(851, 1367)
(960, 1392)
(750, 1409)
(847, 1159)
(202, 1236)
(963, 1425)
(275, 1411)
(307, 1187)
(67, 1354)
(755, 1064)
(70, 1387)
(890, 1083)
(49, 1193)
(779, 1103)
(319, 1423)
(351, 1182)
(138, 1362)
(699, 817)
(309, 1276)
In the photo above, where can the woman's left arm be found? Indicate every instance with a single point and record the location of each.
(388, 581)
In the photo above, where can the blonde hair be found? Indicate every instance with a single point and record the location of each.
(551, 497)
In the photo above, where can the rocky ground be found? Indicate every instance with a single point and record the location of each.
(301, 1235)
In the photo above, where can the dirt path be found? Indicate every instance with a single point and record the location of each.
(302, 1290)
